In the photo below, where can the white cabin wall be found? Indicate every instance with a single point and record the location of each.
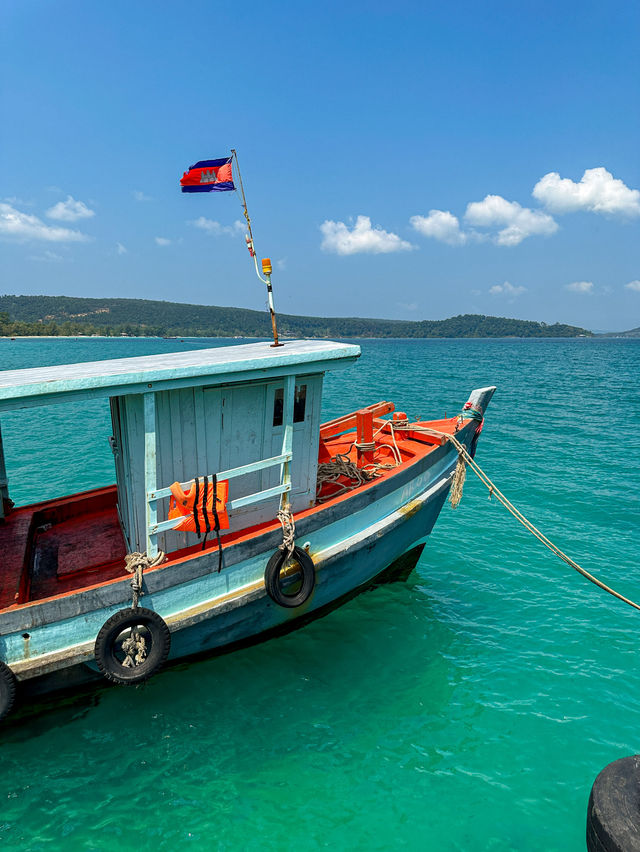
(200, 431)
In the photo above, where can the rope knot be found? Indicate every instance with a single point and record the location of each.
(365, 446)
(135, 563)
(288, 531)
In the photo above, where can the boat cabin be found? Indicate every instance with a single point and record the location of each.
(250, 414)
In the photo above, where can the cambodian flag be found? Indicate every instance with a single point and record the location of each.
(208, 175)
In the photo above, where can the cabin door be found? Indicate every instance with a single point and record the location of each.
(234, 416)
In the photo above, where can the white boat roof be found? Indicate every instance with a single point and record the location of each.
(220, 365)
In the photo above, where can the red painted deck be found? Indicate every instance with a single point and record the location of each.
(51, 548)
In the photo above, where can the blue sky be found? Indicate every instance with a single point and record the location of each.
(414, 160)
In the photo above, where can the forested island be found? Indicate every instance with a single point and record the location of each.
(22, 316)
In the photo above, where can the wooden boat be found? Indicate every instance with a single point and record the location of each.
(239, 423)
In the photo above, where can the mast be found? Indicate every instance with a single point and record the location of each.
(266, 262)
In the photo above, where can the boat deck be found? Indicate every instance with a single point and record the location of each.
(52, 548)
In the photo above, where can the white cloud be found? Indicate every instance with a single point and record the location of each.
(13, 200)
(337, 238)
(519, 222)
(281, 264)
(440, 225)
(216, 229)
(21, 226)
(48, 256)
(140, 196)
(70, 210)
(597, 191)
(507, 289)
(633, 285)
(162, 241)
(580, 287)
(120, 248)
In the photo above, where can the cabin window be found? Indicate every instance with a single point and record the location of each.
(299, 405)
(278, 405)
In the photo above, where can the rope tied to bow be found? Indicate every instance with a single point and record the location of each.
(526, 523)
(457, 484)
(135, 563)
(469, 413)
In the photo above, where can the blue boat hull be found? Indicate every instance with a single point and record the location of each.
(337, 578)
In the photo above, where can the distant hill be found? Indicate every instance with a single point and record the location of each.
(634, 332)
(68, 315)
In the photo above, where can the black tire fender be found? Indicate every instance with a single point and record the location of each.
(109, 648)
(612, 813)
(272, 578)
(8, 688)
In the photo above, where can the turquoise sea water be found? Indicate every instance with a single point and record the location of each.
(469, 708)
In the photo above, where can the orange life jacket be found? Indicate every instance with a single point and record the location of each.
(195, 509)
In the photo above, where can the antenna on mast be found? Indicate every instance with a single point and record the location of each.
(266, 263)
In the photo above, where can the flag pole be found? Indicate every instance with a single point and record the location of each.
(266, 263)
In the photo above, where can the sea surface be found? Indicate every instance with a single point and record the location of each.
(469, 708)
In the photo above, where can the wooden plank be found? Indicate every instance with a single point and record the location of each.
(201, 431)
(259, 497)
(429, 436)
(249, 499)
(348, 421)
(287, 439)
(151, 513)
(134, 467)
(226, 474)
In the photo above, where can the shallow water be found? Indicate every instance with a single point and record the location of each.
(469, 708)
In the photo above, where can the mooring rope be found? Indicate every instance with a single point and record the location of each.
(463, 459)
(455, 494)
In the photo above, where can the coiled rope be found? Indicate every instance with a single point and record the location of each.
(465, 459)
(340, 466)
